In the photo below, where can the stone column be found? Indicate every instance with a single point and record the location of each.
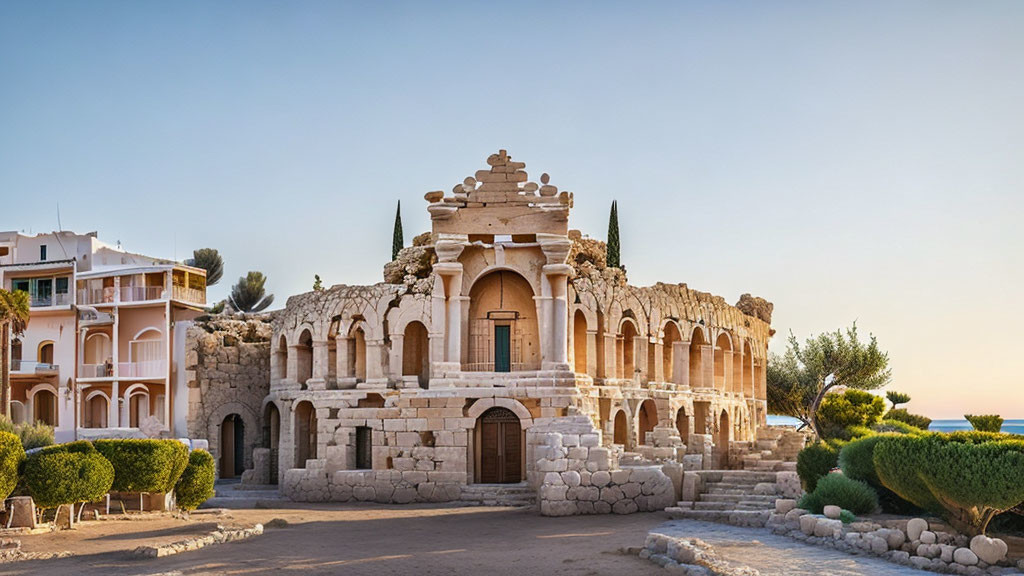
(449, 275)
(395, 358)
(592, 353)
(707, 365)
(611, 356)
(374, 366)
(659, 361)
(681, 363)
(555, 288)
(727, 358)
(319, 372)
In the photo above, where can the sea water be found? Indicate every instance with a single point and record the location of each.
(1014, 426)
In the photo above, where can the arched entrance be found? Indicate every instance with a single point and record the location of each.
(272, 437)
(305, 433)
(621, 434)
(503, 335)
(97, 407)
(44, 407)
(500, 440)
(648, 419)
(232, 446)
(668, 357)
(723, 348)
(723, 440)
(683, 425)
(416, 353)
(304, 357)
(627, 350)
(357, 352)
(579, 342)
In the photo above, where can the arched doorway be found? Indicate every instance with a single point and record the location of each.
(668, 356)
(500, 440)
(138, 405)
(97, 407)
(723, 439)
(305, 433)
(44, 407)
(648, 419)
(357, 352)
(723, 365)
(621, 430)
(304, 358)
(628, 351)
(683, 425)
(579, 342)
(748, 371)
(697, 343)
(416, 353)
(272, 437)
(281, 359)
(232, 446)
(503, 335)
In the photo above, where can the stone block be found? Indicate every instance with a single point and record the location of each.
(832, 512)
(914, 528)
(965, 556)
(988, 550)
(784, 505)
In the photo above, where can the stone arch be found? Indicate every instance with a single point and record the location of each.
(626, 344)
(43, 401)
(280, 358)
(671, 335)
(683, 425)
(138, 399)
(579, 341)
(272, 436)
(217, 416)
(724, 431)
(620, 429)
(232, 446)
(503, 328)
(97, 348)
(95, 409)
(416, 352)
(500, 441)
(723, 346)
(305, 433)
(647, 419)
(304, 357)
(697, 343)
(357, 351)
(484, 404)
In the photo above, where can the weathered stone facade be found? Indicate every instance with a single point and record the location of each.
(227, 371)
(502, 349)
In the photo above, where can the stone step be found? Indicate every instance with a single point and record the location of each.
(755, 506)
(738, 498)
(736, 517)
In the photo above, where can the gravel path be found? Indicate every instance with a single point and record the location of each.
(774, 555)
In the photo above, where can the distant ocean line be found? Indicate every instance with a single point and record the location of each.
(1015, 426)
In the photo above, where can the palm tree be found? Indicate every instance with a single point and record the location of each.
(14, 312)
(208, 259)
(248, 295)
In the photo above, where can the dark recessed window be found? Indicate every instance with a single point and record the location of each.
(42, 252)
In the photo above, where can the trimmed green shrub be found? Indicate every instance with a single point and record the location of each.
(838, 490)
(847, 517)
(11, 455)
(896, 426)
(838, 412)
(144, 465)
(815, 461)
(966, 477)
(856, 459)
(985, 422)
(196, 483)
(32, 435)
(57, 477)
(915, 420)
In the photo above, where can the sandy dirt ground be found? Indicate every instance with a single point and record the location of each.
(369, 539)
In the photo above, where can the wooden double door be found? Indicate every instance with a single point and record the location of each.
(501, 447)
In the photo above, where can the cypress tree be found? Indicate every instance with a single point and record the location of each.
(398, 240)
(613, 237)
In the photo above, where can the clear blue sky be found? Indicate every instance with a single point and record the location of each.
(848, 161)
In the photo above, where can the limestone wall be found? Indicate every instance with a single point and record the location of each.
(227, 371)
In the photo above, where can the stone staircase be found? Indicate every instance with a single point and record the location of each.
(236, 495)
(774, 450)
(517, 495)
(743, 497)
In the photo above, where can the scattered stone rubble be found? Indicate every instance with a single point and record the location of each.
(218, 536)
(689, 556)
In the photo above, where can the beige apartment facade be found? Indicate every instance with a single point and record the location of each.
(99, 356)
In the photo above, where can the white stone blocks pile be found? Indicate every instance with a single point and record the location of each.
(915, 545)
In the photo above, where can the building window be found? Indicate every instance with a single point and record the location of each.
(61, 286)
(42, 252)
(21, 284)
(364, 448)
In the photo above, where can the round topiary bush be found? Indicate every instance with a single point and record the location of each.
(814, 462)
(196, 483)
(55, 477)
(896, 426)
(915, 420)
(144, 465)
(838, 490)
(11, 455)
(967, 477)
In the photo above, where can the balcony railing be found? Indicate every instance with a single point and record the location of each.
(149, 369)
(141, 293)
(24, 366)
(193, 295)
(96, 296)
(50, 300)
(95, 370)
(490, 367)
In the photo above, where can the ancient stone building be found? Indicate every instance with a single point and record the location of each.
(502, 350)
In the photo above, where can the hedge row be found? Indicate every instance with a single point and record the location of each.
(84, 471)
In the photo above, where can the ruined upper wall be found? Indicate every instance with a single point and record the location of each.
(501, 200)
(318, 309)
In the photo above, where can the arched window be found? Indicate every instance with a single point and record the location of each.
(304, 356)
(621, 429)
(628, 351)
(357, 352)
(281, 359)
(667, 351)
(697, 342)
(416, 352)
(648, 419)
(579, 341)
(503, 335)
(305, 433)
(46, 353)
(722, 349)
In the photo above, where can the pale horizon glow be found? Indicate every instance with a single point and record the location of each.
(846, 161)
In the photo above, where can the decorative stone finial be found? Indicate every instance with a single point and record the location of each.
(544, 178)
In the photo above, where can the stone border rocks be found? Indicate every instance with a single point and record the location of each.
(218, 536)
(689, 556)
